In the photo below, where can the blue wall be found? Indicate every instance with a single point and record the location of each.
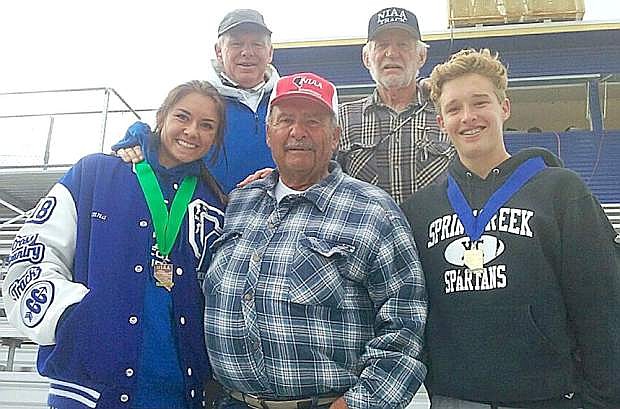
(596, 158)
(583, 52)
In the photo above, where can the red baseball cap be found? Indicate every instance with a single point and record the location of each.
(307, 85)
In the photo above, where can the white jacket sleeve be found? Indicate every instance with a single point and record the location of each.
(39, 285)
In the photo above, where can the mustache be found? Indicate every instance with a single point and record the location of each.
(388, 61)
(299, 146)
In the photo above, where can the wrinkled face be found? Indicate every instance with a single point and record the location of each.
(302, 139)
(392, 58)
(189, 130)
(472, 115)
(244, 52)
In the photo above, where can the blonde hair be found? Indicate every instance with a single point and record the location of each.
(470, 61)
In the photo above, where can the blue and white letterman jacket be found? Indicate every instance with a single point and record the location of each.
(85, 254)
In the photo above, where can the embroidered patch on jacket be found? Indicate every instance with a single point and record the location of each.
(26, 248)
(35, 303)
(205, 225)
(98, 215)
(43, 211)
(17, 287)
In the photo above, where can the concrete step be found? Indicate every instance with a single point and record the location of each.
(23, 390)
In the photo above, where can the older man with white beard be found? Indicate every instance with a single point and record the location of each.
(391, 138)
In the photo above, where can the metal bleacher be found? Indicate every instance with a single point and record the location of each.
(21, 387)
(10, 339)
(612, 210)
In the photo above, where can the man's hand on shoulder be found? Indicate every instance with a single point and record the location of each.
(128, 148)
(339, 403)
(133, 154)
(259, 174)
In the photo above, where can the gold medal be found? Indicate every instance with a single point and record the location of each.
(473, 258)
(163, 275)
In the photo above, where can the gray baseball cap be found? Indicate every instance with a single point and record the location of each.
(242, 16)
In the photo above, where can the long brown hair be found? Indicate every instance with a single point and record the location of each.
(203, 88)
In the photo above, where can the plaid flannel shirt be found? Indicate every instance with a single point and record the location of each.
(321, 293)
(399, 152)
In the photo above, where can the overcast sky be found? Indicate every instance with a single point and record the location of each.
(143, 48)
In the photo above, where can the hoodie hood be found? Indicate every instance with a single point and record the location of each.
(505, 169)
(478, 190)
(215, 78)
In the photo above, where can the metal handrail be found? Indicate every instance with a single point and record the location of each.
(114, 111)
(48, 91)
(104, 112)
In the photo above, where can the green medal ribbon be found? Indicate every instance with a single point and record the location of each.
(167, 226)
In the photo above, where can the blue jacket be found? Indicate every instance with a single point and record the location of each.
(245, 148)
(86, 254)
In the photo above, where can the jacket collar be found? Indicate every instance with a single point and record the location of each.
(224, 87)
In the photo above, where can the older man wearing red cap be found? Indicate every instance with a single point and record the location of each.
(315, 297)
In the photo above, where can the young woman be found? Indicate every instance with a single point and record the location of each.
(104, 273)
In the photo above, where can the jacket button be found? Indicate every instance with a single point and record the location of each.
(143, 223)
(248, 296)
(138, 268)
(129, 372)
(179, 271)
(192, 393)
(189, 371)
(133, 320)
(256, 257)
(182, 320)
(124, 398)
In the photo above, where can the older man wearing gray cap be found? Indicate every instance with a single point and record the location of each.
(243, 74)
(391, 138)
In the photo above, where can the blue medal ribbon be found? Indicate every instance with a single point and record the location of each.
(474, 225)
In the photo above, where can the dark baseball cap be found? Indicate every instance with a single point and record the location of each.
(393, 17)
(241, 16)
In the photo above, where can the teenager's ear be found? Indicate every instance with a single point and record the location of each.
(506, 109)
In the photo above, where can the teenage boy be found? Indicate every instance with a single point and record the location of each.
(521, 263)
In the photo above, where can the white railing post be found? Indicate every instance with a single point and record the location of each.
(48, 143)
(104, 113)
